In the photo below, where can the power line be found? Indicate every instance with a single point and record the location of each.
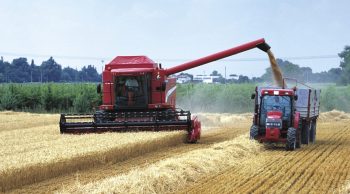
(264, 59)
(54, 56)
(168, 60)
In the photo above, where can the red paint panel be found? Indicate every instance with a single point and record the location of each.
(272, 134)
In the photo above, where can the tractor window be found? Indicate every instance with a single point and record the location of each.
(131, 91)
(276, 103)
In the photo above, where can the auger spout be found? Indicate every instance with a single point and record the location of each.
(260, 43)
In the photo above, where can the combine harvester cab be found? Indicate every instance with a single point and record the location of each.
(139, 95)
(286, 116)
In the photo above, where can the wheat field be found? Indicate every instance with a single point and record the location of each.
(30, 154)
(37, 159)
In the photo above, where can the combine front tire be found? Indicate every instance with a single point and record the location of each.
(99, 116)
(291, 139)
(254, 132)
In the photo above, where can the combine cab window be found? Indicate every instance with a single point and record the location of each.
(276, 103)
(131, 91)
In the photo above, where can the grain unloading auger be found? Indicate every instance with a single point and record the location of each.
(138, 94)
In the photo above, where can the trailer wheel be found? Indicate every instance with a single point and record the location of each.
(291, 139)
(298, 139)
(313, 132)
(254, 132)
(305, 132)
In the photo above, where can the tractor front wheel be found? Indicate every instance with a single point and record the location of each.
(254, 132)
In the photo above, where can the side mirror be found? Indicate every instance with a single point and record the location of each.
(253, 96)
(98, 88)
(296, 97)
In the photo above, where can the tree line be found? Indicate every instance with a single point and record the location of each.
(20, 71)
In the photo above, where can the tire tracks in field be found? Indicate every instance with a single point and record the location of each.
(275, 174)
(308, 168)
(240, 179)
(318, 172)
(113, 169)
(287, 176)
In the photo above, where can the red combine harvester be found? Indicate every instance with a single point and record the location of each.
(138, 94)
(285, 115)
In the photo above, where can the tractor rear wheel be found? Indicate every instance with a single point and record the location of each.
(305, 132)
(254, 132)
(313, 132)
(291, 139)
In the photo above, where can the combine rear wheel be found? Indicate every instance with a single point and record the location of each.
(254, 132)
(291, 139)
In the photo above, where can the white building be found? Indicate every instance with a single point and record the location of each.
(182, 78)
(209, 79)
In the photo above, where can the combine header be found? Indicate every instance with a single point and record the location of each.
(138, 94)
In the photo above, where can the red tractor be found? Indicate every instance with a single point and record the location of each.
(285, 116)
(138, 94)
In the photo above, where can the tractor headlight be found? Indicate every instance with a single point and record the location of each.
(273, 123)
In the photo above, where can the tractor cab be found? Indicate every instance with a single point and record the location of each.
(275, 111)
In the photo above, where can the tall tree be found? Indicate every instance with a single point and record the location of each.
(89, 74)
(345, 66)
(69, 75)
(19, 71)
(51, 71)
(35, 72)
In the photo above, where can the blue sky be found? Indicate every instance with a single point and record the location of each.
(78, 33)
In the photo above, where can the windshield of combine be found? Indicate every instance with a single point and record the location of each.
(131, 91)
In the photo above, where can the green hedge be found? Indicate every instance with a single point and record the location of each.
(235, 98)
(51, 97)
(82, 97)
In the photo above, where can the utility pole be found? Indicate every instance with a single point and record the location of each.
(102, 61)
(225, 74)
(41, 74)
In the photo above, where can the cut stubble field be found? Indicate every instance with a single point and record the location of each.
(36, 158)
